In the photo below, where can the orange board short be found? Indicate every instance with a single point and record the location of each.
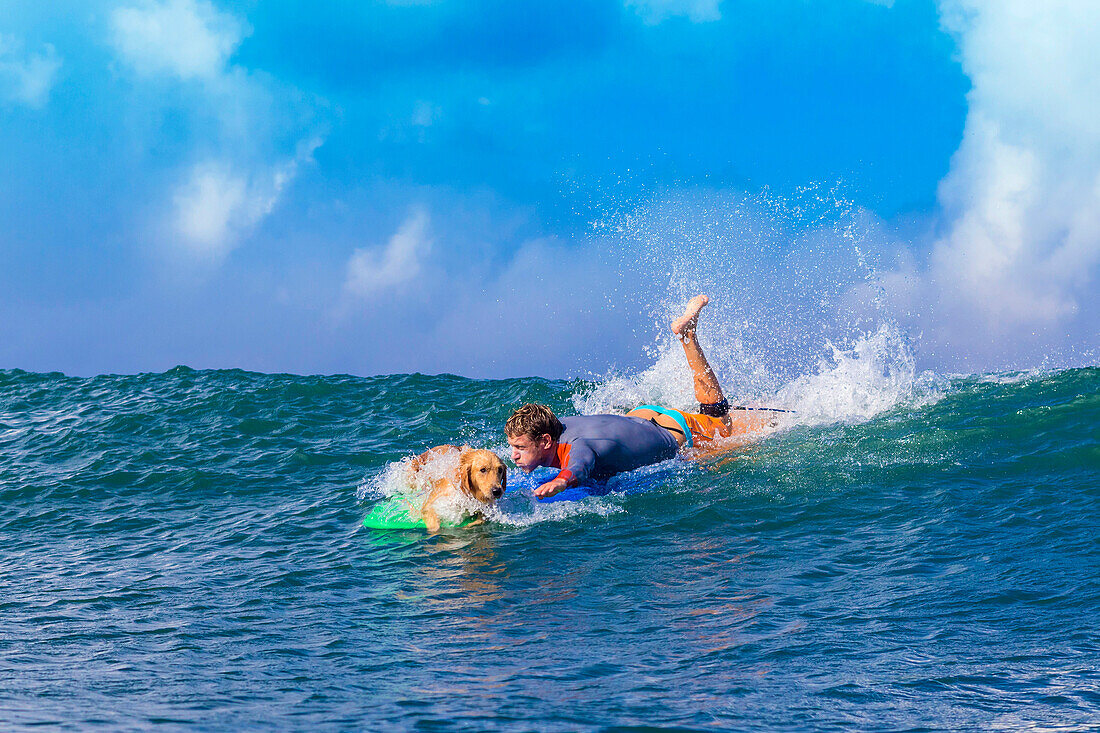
(742, 422)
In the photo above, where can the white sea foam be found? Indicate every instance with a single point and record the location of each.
(852, 382)
(537, 512)
(872, 375)
(782, 328)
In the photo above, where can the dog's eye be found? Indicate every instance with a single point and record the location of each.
(485, 470)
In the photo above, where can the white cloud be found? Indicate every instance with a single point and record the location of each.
(185, 38)
(218, 205)
(655, 11)
(1023, 194)
(1017, 258)
(371, 271)
(425, 114)
(241, 175)
(27, 78)
(211, 208)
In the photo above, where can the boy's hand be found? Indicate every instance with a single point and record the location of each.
(550, 488)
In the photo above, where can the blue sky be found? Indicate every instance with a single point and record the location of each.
(507, 188)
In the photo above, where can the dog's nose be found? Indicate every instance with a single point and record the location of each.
(498, 492)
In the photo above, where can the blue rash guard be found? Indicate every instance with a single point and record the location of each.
(596, 447)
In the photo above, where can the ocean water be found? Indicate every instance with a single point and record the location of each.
(907, 552)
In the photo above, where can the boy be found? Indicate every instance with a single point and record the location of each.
(597, 447)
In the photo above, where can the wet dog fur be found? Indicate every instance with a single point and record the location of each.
(481, 476)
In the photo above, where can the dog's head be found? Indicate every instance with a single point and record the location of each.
(483, 475)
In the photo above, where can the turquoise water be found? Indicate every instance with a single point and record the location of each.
(185, 549)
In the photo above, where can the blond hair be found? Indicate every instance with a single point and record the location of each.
(534, 421)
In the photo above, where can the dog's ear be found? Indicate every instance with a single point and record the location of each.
(466, 473)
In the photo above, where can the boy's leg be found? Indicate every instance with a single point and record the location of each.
(715, 420)
(707, 389)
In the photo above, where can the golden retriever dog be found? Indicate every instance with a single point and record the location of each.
(480, 476)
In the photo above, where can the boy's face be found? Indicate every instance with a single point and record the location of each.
(529, 453)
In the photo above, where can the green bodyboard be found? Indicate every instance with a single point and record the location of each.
(397, 513)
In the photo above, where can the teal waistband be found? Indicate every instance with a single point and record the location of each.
(675, 416)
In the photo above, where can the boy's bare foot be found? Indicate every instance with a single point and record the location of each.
(684, 326)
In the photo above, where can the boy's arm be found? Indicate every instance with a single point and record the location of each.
(578, 464)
